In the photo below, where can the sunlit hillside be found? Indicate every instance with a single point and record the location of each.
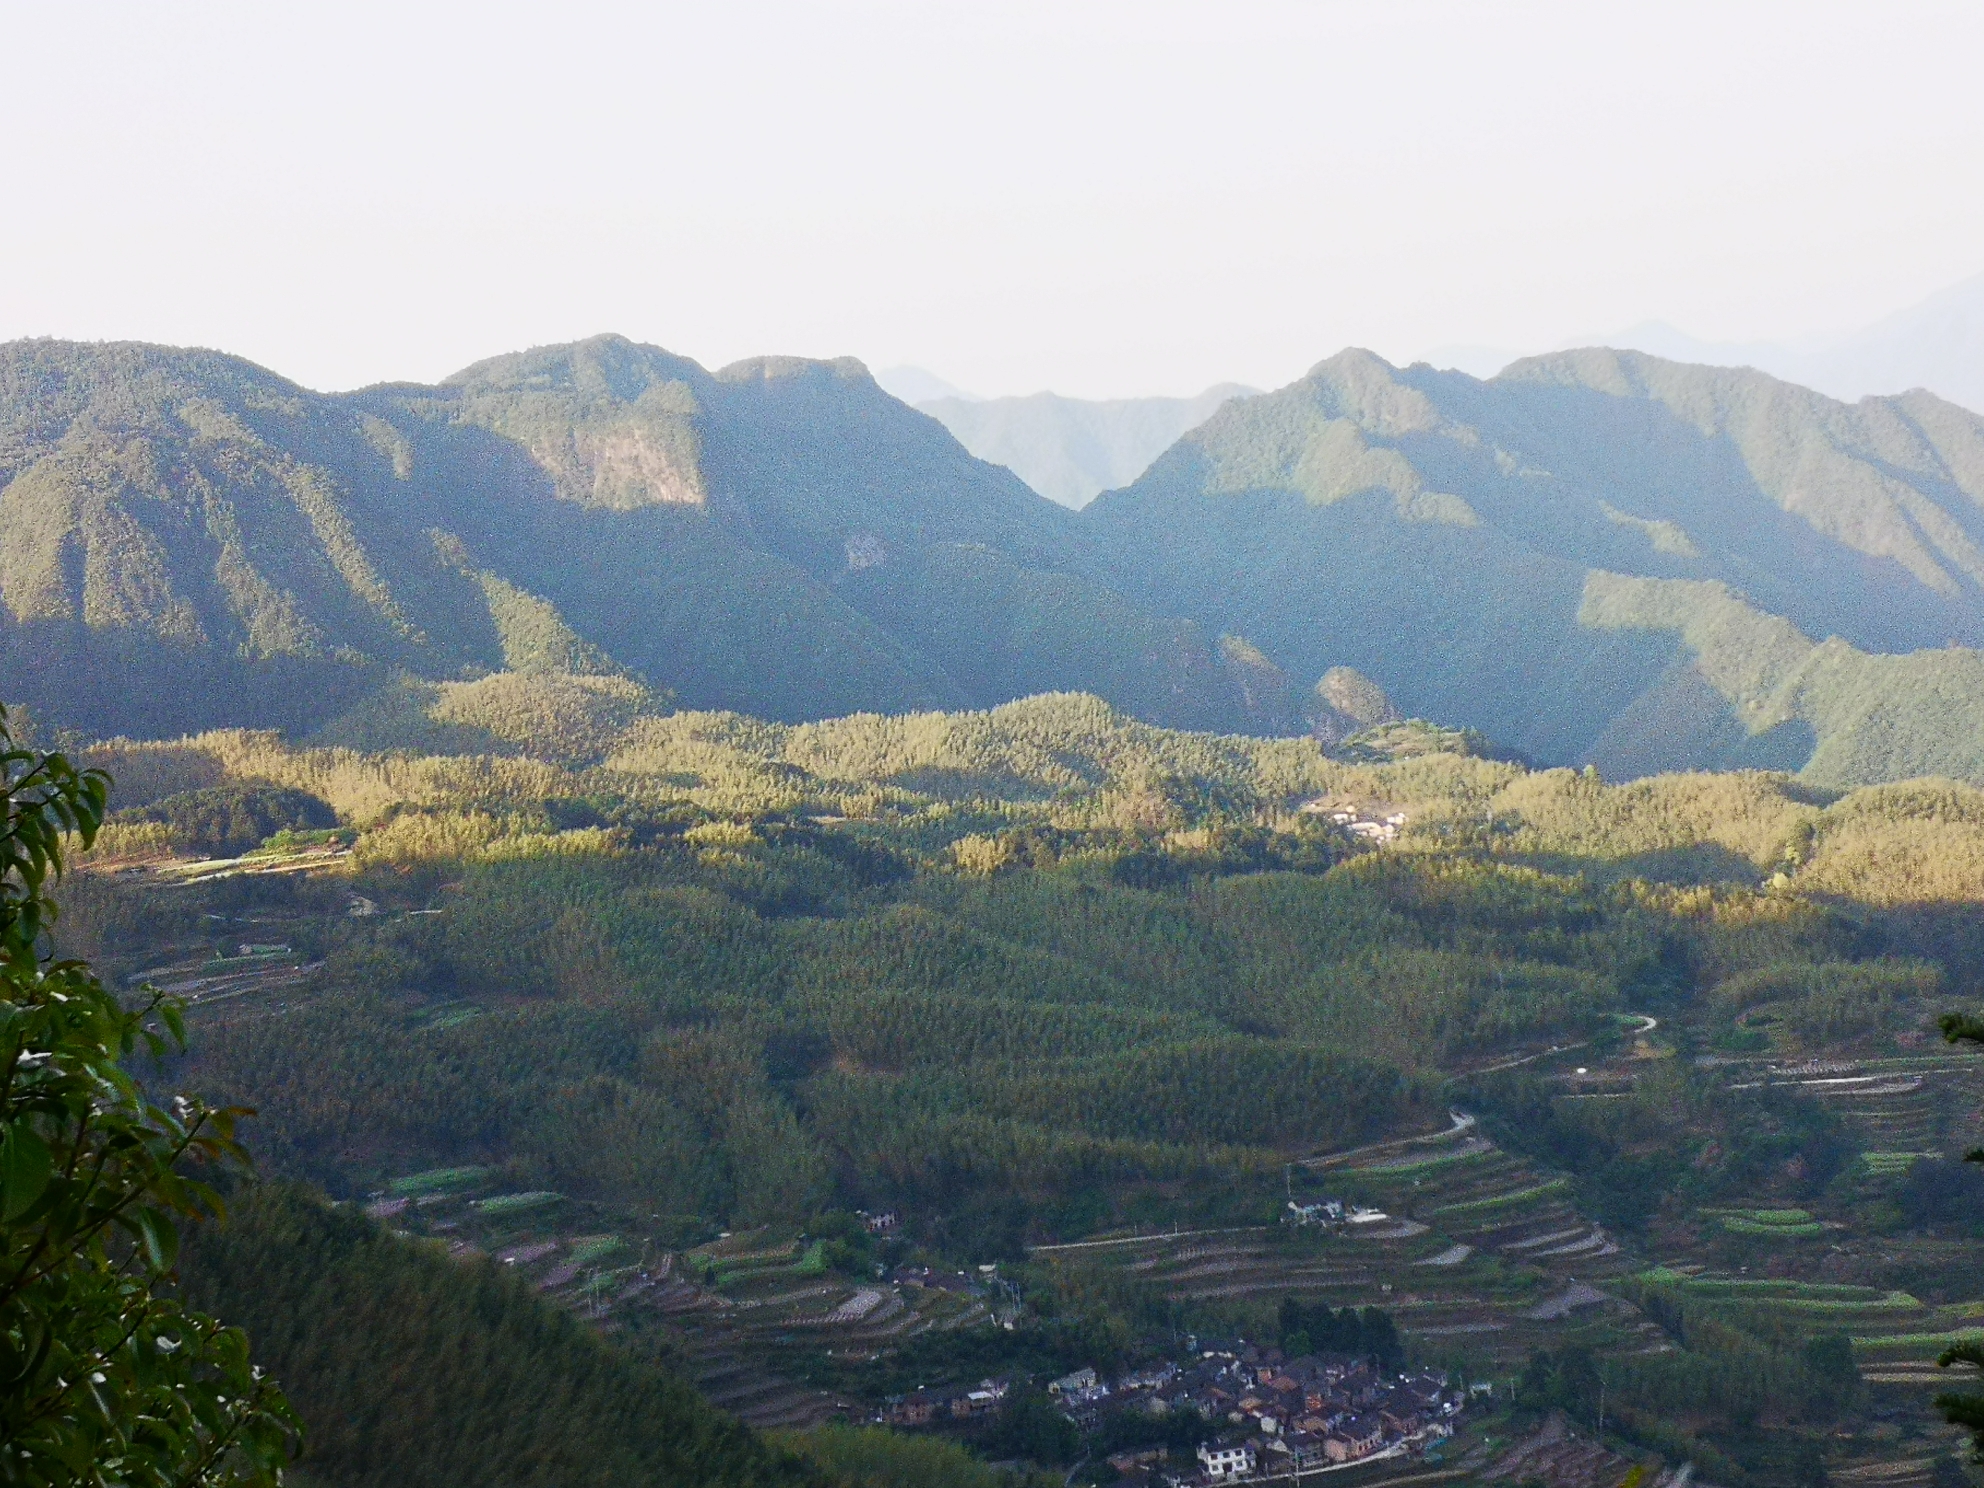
(652, 1007)
(1595, 556)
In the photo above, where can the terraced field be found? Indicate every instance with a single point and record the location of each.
(1564, 1458)
(1898, 1104)
(1915, 1470)
(1476, 1251)
(1483, 1257)
(1480, 1253)
(1901, 1108)
(724, 1310)
(1895, 1335)
(769, 1300)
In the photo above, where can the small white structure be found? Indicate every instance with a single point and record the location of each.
(1222, 1463)
(1326, 1211)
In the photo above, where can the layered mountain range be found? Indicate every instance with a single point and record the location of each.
(1937, 343)
(1071, 450)
(187, 540)
(1595, 557)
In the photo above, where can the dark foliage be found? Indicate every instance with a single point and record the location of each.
(1568, 1380)
(1936, 1193)
(104, 1376)
(1030, 1427)
(1320, 1328)
(1964, 1409)
(228, 819)
(414, 1371)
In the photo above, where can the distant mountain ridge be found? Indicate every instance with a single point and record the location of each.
(1072, 449)
(187, 539)
(1937, 344)
(1594, 557)
(914, 385)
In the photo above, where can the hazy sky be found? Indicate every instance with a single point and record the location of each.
(1100, 198)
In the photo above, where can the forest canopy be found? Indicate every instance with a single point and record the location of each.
(702, 990)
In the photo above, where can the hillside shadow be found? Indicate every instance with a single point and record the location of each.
(105, 682)
(1459, 622)
(947, 783)
(685, 595)
(1704, 863)
(1949, 934)
(1682, 723)
(1642, 458)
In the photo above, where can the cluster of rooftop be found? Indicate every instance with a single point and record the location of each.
(1265, 1415)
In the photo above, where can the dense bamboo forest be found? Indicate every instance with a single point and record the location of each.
(675, 1011)
(412, 1370)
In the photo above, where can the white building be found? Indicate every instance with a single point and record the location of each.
(1227, 1462)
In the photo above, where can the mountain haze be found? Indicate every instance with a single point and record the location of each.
(1071, 449)
(913, 385)
(1936, 344)
(187, 539)
(1595, 556)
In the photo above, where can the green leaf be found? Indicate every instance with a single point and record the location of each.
(24, 1170)
(160, 1236)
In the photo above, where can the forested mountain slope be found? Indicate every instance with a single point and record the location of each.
(645, 1032)
(410, 1369)
(186, 539)
(1596, 555)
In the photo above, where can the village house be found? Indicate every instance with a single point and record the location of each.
(918, 1408)
(1071, 1384)
(1361, 1387)
(1432, 1394)
(1085, 1414)
(984, 1399)
(933, 1280)
(1297, 1450)
(1321, 1212)
(1080, 1396)
(1155, 1377)
(1292, 1413)
(1357, 1437)
(957, 1403)
(1222, 1464)
(1399, 1419)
